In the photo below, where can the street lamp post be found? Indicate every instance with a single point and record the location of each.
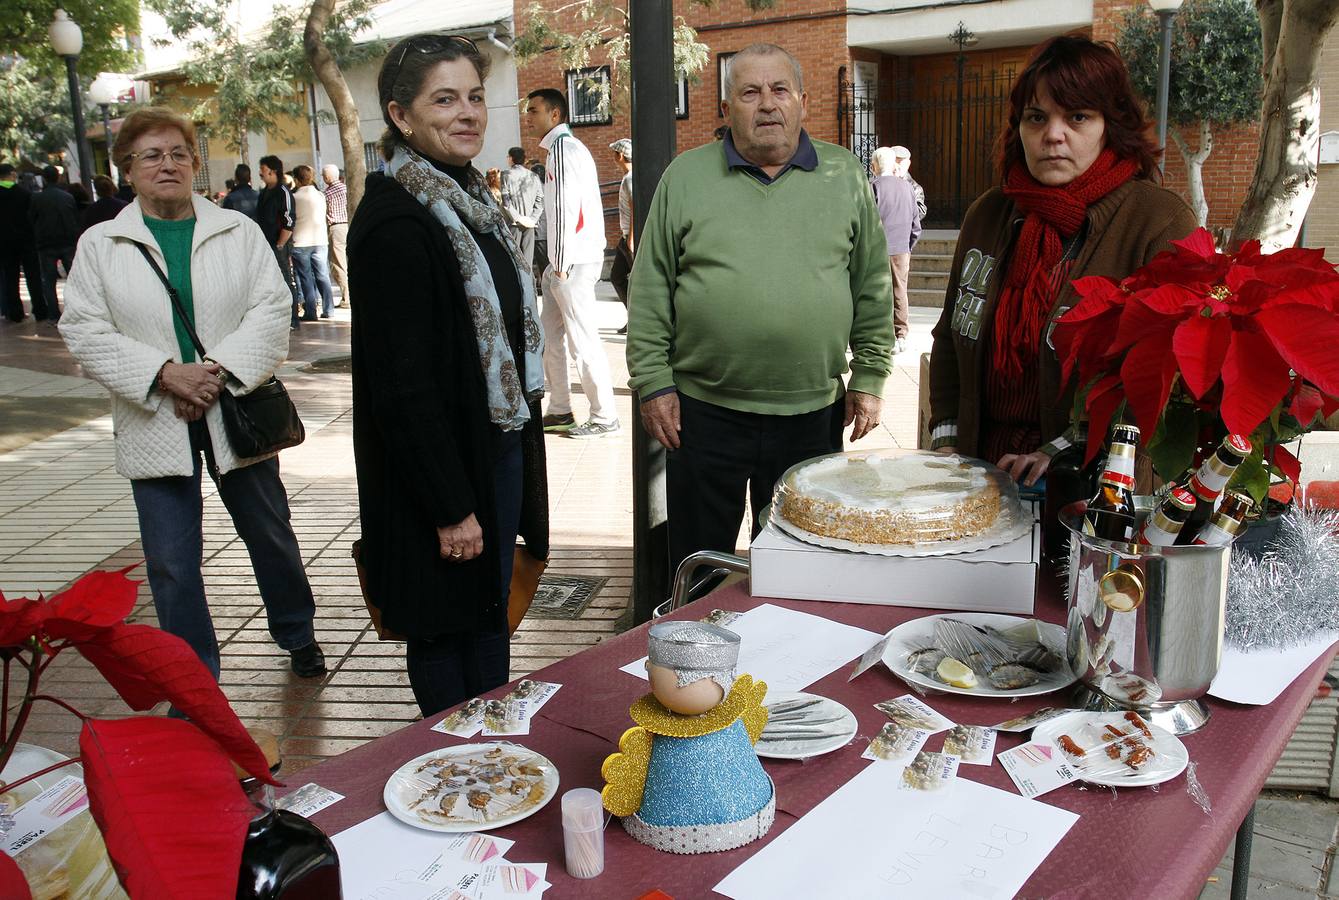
(104, 91)
(1166, 10)
(67, 40)
(963, 38)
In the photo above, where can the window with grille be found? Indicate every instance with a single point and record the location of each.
(372, 156)
(681, 100)
(722, 68)
(588, 96)
(201, 180)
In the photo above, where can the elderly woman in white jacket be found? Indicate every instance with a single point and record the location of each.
(120, 324)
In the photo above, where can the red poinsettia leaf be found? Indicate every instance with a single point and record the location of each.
(169, 806)
(1200, 243)
(1200, 344)
(20, 619)
(13, 884)
(147, 666)
(1083, 343)
(1153, 312)
(97, 600)
(1288, 464)
(1255, 380)
(1323, 295)
(1104, 398)
(1306, 337)
(1147, 374)
(1305, 404)
(1329, 405)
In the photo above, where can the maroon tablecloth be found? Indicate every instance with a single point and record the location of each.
(1153, 842)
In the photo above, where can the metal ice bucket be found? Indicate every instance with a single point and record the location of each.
(1146, 624)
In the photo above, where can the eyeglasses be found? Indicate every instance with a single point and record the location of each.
(153, 157)
(433, 43)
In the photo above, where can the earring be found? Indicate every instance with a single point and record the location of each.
(408, 131)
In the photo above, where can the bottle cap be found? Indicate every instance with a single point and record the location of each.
(583, 810)
(1182, 498)
(1238, 444)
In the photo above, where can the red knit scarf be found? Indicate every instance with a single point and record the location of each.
(1053, 214)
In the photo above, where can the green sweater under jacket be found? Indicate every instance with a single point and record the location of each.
(747, 295)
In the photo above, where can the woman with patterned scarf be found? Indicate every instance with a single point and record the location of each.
(1077, 198)
(447, 378)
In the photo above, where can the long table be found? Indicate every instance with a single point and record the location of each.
(1132, 843)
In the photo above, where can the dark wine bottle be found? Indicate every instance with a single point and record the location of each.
(285, 857)
(1111, 513)
(1068, 481)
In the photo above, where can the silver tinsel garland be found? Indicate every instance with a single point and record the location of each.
(1291, 592)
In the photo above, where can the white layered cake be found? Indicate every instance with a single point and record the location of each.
(872, 499)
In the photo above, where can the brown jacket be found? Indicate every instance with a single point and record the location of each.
(1125, 229)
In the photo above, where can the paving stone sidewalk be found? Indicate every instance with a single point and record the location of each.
(65, 511)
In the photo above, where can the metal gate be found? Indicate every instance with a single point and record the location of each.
(949, 122)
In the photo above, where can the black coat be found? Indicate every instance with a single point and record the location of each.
(423, 444)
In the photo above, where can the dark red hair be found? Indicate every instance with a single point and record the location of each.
(1082, 74)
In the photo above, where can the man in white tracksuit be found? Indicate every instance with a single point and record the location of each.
(576, 255)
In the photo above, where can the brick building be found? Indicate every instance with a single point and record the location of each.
(889, 75)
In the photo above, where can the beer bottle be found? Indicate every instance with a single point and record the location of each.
(1227, 523)
(1110, 513)
(1161, 528)
(1208, 483)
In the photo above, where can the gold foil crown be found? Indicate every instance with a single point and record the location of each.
(694, 650)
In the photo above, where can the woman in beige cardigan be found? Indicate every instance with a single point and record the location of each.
(310, 243)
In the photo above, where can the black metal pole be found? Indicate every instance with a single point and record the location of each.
(107, 136)
(653, 98)
(77, 107)
(957, 150)
(1241, 856)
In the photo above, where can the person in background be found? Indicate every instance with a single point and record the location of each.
(523, 201)
(576, 245)
(82, 198)
(337, 228)
(242, 197)
(274, 214)
(17, 250)
(493, 181)
(622, 267)
(55, 218)
(541, 257)
(1077, 166)
(124, 190)
(760, 264)
(311, 243)
(168, 428)
(902, 227)
(902, 161)
(447, 377)
(106, 207)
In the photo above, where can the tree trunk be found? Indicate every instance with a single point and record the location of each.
(1293, 33)
(346, 111)
(1195, 168)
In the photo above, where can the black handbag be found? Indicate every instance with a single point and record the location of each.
(258, 423)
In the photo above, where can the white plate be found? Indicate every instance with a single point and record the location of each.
(1169, 760)
(842, 730)
(407, 785)
(920, 633)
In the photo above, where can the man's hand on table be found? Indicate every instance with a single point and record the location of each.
(863, 410)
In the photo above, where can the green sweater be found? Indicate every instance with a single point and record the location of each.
(174, 239)
(747, 295)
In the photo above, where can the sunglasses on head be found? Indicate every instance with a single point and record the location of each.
(433, 43)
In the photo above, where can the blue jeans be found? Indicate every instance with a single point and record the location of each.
(172, 534)
(314, 273)
(445, 670)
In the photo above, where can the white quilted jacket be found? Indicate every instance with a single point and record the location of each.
(118, 320)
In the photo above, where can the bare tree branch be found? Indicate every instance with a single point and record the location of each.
(323, 64)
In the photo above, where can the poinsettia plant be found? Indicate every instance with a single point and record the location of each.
(163, 791)
(1199, 344)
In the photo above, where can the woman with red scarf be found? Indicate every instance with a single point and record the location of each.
(1077, 198)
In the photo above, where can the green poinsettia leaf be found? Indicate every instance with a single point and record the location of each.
(1252, 476)
(1172, 447)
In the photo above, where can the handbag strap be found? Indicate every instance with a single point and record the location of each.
(176, 299)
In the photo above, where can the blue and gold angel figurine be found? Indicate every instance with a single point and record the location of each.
(687, 779)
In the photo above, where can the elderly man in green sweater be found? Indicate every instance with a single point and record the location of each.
(762, 260)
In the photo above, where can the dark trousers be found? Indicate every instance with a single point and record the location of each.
(541, 262)
(45, 305)
(172, 535)
(12, 259)
(620, 270)
(445, 670)
(284, 256)
(722, 452)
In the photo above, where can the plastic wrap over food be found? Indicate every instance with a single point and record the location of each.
(899, 503)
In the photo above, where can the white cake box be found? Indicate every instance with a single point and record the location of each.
(1000, 579)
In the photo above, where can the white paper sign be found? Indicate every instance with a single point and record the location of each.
(911, 712)
(787, 649)
(385, 858)
(973, 744)
(976, 842)
(1037, 767)
(308, 800)
(870, 657)
(44, 813)
(1258, 677)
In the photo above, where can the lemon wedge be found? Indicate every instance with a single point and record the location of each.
(956, 673)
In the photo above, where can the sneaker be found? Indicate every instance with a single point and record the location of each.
(558, 421)
(900, 346)
(590, 430)
(308, 661)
